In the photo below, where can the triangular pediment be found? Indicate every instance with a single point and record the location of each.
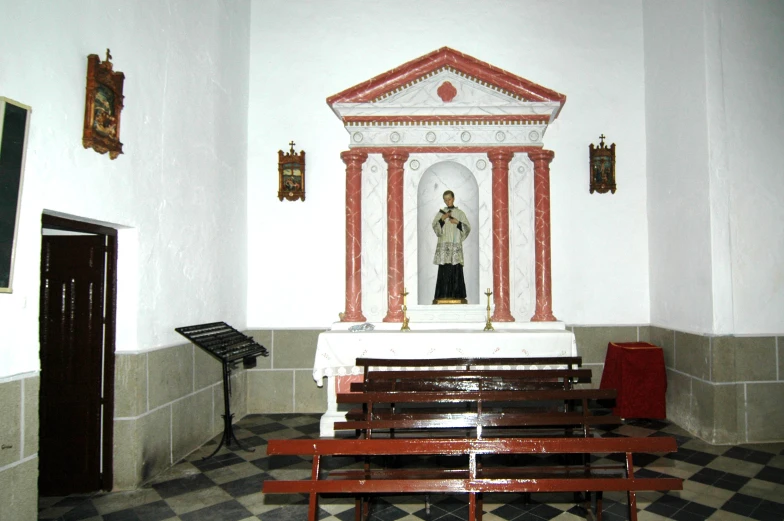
(447, 99)
(429, 92)
(463, 81)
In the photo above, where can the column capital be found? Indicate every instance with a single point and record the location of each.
(394, 156)
(353, 156)
(541, 155)
(500, 155)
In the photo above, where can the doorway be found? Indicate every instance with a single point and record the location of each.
(77, 337)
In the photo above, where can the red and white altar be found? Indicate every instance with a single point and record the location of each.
(444, 121)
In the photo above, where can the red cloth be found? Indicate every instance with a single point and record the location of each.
(636, 371)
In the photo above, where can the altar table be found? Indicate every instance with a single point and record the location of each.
(636, 370)
(337, 351)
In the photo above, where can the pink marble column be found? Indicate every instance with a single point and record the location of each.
(544, 297)
(500, 160)
(353, 160)
(395, 161)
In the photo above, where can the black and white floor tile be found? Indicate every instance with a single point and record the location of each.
(721, 483)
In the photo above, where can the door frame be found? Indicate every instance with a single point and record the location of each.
(52, 222)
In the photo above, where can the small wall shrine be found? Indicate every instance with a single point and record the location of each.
(446, 166)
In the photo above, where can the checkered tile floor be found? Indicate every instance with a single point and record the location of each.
(726, 483)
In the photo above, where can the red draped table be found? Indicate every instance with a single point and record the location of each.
(636, 371)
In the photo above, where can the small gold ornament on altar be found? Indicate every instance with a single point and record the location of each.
(291, 174)
(405, 327)
(602, 167)
(488, 324)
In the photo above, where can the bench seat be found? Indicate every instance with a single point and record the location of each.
(466, 380)
(475, 478)
(396, 411)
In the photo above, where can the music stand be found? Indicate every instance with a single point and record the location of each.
(229, 346)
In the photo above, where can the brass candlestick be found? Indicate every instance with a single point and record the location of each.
(405, 327)
(488, 325)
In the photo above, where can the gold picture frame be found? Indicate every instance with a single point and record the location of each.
(291, 175)
(602, 167)
(103, 106)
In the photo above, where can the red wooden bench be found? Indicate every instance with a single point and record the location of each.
(471, 375)
(475, 402)
(474, 478)
(472, 379)
(512, 405)
(468, 374)
(478, 410)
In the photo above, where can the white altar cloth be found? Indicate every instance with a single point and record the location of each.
(337, 351)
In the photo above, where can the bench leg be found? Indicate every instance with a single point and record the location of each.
(313, 503)
(632, 505)
(472, 506)
(599, 505)
(362, 502)
(586, 501)
(313, 507)
(361, 508)
(631, 494)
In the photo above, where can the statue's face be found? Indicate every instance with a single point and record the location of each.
(448, 199)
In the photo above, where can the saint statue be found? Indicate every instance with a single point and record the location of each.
(451, 227)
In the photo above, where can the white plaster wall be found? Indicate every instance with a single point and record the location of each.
(522, 269)
(677, 153)
(600, 243)
(180, 186)
(374, 238)
(714, 112)
(753, 75)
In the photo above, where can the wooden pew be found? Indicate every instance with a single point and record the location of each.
(475, 375)
(507, 410)
(493, 402)
(473, 478)
(392, 401)
(431, 373)
(472, 379)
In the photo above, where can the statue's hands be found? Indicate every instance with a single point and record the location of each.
(446, 216)
(453, 220)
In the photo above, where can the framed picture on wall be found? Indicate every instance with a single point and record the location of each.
(14, 122)
(103, 106)
(291, 175)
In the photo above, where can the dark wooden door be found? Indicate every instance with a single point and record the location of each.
(72, 352)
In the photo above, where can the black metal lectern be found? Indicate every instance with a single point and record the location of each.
(229, 346)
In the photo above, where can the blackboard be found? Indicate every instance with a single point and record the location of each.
(14, 118)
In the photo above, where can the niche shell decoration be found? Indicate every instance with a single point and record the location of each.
(103, 106)
(291, 174)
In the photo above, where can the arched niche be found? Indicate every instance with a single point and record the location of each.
(442, 176)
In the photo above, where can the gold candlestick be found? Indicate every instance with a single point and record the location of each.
(405, 327)
(488, 325)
